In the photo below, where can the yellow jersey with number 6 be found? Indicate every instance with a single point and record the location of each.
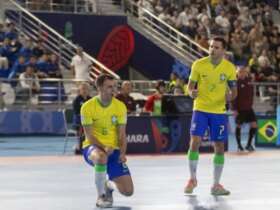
(212, 84)
(104, 120)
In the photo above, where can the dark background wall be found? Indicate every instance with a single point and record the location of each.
(90, 31)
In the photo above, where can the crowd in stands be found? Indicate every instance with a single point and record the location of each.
(248, 27)
(23, 59)
(64, 5)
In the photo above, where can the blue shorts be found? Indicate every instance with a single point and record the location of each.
(217, 124)
(114, 167)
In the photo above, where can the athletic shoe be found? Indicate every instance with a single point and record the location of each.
(240, 149)
(102, 202)
(250, 148)
(218, 190)
(109, 193)
(192, 183)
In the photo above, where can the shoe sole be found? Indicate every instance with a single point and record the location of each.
(104, 207)
(224, 194)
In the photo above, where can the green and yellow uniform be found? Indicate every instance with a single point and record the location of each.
(104, 120)
(212, 84)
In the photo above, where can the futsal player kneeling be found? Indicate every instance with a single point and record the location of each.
(104, 120)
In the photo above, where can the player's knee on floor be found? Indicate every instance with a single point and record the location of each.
(126, 190)
(127, 193)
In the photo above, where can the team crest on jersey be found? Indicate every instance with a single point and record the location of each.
(114, 119)
(222, 77)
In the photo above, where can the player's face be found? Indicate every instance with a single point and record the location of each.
(216, 49)
(108, 89)
(84, 91)
(127, 88)
(242, 74)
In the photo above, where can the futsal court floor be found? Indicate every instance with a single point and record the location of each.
(34, 174)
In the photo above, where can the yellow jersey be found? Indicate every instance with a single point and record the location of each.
(212, 84)
(104, 120)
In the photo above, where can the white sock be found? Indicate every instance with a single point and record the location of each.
(111, 185)
(193, 167)
(100, 179)
(218, 169)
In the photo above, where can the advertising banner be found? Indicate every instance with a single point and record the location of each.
(162, 134)
(35, 122)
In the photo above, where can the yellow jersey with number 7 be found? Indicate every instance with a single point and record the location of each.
(212, 84)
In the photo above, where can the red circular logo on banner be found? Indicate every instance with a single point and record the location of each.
(117, 48)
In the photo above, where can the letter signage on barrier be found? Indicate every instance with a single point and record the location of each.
(160, 134)
(138, 138)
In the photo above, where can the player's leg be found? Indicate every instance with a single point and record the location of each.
(218, 134)
(124, 185)
(238, 122)
(198, 127)
(119, 177)
(80, 138)
(98, 158)
(253, 129)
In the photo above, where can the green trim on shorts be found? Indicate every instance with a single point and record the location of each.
(100, 168)
(193, 155)
(219, 159)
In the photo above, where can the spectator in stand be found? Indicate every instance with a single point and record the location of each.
(207, 26)
(124, 96)
(246, 19)
(38, 49)
(202, 14)
(33, 62)
(191, 31)
(266, 72)
(159, 8)
(153, 103)
(144, 4)
(54, 67)
(29, 84)
(80, 65)
(18, 67)
(172, 82)
(81, 98)
(43, 66)
(178, 91)
(165, 16)
(16, 45)
(223, 22)
(174, 14)
(203, 41)
(243, 108)
(11, 32)
(2, 33)
(277, 57)
(6, 50)
(238, 46)
(184, 19)
(26, 50)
